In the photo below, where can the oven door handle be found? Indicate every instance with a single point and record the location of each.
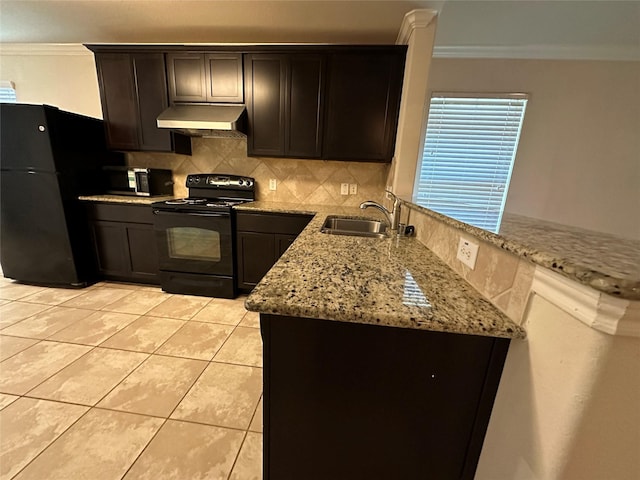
(191, 214)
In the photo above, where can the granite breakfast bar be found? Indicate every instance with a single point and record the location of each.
(379, 360)
(395, 282)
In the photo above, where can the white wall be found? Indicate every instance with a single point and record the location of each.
(60, 75)
(567, 404)
(578, 162)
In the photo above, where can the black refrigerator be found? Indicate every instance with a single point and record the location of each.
(48, 157)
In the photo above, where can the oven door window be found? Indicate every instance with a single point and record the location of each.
(195, 242)
(191, 243)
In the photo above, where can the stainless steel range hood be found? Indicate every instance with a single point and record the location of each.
(210, 120)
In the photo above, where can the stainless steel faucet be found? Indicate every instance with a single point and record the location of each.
(393, 216)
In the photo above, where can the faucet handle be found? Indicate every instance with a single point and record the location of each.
(396, 200)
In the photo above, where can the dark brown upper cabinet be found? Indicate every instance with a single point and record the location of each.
(133, 92)
(118, 98)
(186, 77)
(314, 101)
(362, 105)
(224, 77)
(205, 77)
(336, 103)
(284, 104)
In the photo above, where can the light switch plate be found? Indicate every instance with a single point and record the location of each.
(344, 189)
(467, 252)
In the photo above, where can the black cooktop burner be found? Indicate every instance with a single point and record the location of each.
(224, 203)
(205, 202)
(211, 192)
(186, 201)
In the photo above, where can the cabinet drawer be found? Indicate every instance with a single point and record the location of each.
(111, 212)
(291, 224)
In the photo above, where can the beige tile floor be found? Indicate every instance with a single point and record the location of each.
(125, 381)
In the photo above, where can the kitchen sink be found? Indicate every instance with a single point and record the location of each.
(357, 227)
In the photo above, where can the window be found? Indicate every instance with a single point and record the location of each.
(7, 92)
(467, 158)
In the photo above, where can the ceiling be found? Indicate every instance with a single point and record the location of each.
(597, 29)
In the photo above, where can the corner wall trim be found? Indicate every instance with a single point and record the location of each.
(602, 312)
(419, 18)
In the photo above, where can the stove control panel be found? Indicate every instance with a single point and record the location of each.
(217, 180)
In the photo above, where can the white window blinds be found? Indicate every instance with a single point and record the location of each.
(7, 92)
(469, 150)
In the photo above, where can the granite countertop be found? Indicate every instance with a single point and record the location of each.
(604, 262)
(393, 281)
(124, 199)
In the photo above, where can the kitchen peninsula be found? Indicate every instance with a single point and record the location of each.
(379, 360)
(587, 310)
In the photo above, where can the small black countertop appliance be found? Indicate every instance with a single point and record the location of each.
(48, 157)
(145, 182)
(196, 235)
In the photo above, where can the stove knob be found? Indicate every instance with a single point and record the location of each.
(240, 182)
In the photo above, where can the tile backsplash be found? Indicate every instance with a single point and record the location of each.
(298, 181)
(500, 276)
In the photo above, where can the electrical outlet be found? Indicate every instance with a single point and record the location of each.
(344, 189)
(353, 189)
(273, 184)
(467, 253)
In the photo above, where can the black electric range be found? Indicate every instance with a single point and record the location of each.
(196, 235)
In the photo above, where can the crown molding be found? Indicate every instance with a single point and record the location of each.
(414, 19)
(602, 312)
(541, 52)
(44, 49)
(419, 18)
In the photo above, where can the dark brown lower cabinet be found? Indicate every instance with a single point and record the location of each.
(350, 401)
(124, 242)
(261, 238)
(256, 255)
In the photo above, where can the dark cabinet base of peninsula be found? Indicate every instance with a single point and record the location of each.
(124, 242)
(350, 401)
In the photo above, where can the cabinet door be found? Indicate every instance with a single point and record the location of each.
(124, 242)
(118, 97)
(143, 253)
(151, 87)
(265, 83)
(256, 255)
(431, 395)
(362, 105)
(282, 242)
(111, 248)
(224, 77)
(187, 79)
(303, 124)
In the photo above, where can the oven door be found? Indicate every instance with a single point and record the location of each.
(194, 242)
